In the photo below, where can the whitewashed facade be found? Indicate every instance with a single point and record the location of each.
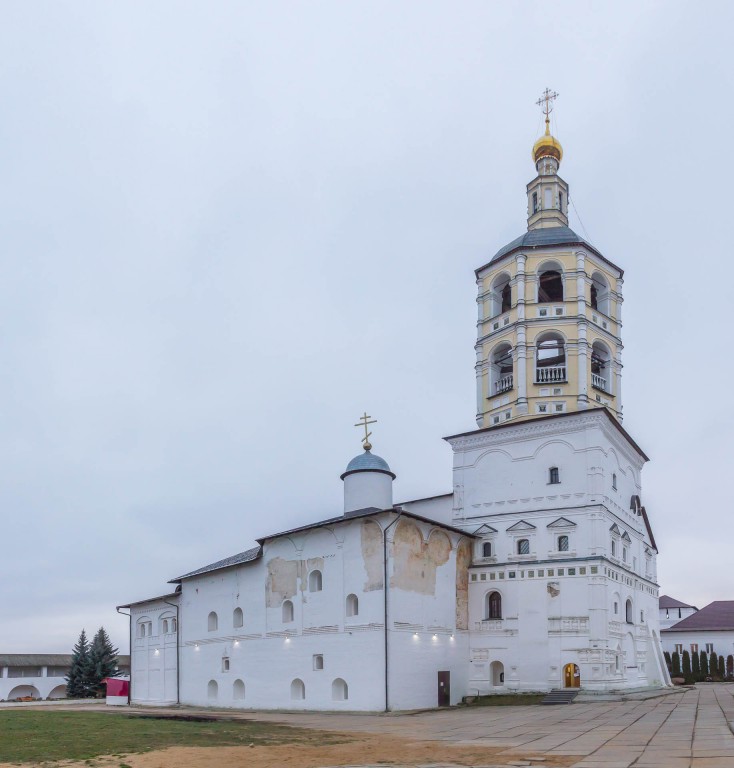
(537, 571)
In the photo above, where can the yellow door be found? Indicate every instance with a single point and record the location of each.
(571, 676)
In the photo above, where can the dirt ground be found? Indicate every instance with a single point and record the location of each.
(357, 749)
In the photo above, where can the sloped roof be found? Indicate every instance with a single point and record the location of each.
(544, 238)
(243, 557)
(666, 601)
(45, 660)
(715, 617)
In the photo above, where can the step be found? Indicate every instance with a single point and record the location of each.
(561, 696)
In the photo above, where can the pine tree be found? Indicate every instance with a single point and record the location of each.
(668, 661)
(687, 671)
(77, 679)
(102, 662)
(675, 664)
(714, 665)
(695, 667)
(722, 668)
(730, 665)
(704, 666)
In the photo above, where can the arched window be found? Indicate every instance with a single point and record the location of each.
(523, 547)
(238, 618)
(213, 621)
(554, 476)
(212, 690)
(601, 360)
(173, 624)
(339, 690)
(563, 543)
(550, 286)
(238, 690)
(165, 626)
(352, 605)
(500, 372)
(600, 295)
(287, 611)
(487, 549)
(298, 690)
(628, 612)
(314, 581)
(550, 359)
(500, 295)
(493, 606)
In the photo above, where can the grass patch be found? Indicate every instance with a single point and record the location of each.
(508, 700)
(33, 737)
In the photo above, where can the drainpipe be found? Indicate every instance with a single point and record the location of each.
(384, 566)
(178, 654)
(130, 645)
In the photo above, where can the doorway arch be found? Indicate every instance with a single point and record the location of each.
(497, 674)
(571, 676)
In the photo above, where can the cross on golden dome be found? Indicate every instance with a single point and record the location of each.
(545, 102)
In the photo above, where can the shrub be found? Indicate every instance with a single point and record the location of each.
(675, 670)
(687, 670)
(695, 667)
(714, 665)
(703, 666)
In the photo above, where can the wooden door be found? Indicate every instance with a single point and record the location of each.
(444, 689)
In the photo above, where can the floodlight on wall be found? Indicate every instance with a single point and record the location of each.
(236, 642)
(287, 639)
(157, 652)
(435, 637)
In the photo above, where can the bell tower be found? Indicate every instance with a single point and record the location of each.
(549, 327)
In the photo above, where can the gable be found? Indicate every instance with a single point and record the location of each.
(521, 525)
(562, 522)
(484, 530)
(615, 529)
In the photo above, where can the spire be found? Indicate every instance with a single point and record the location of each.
(547, 193)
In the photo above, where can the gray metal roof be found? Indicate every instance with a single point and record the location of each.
(243, 557)
(368, 462)
(45, 660)
(665, 601)
(545, 238)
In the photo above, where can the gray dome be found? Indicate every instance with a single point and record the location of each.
(368, 462)
(539, 238)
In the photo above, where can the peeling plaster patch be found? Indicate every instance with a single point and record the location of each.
(282, 580)
(414, 561)
(372, 555)
(463, 561)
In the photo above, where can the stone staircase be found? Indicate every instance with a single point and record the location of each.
(561, 696)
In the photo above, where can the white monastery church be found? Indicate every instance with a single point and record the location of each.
(538, 570)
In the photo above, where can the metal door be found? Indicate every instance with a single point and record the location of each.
(444, 689)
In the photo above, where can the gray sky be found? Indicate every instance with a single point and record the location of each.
(229, 228)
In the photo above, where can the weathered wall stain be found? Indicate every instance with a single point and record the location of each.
(415, 561)
(372, 555)
(463, 561)
(282, 580)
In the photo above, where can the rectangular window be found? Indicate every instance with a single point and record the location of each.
(614, 482)
(679, 648)
(709, 647)
(483, 577)
(511, 575)
(502, 575)
(560, 571)
(318, 661)
(492, 576)
(594, 569)
(551, 572)
(531, 574)
(571, 571)
(582, 571)
(616, 608)
(474, 577)
(554, 476)
(694, 647)
(541, 573)
(225, 664)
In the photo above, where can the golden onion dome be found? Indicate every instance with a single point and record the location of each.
(547, 146)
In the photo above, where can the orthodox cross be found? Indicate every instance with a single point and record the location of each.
(363, 422)
(545, 102)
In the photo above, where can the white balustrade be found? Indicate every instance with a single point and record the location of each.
(503, 385)
(550, 374)
(599, 382)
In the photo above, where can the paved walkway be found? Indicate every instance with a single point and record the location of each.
(690, 729)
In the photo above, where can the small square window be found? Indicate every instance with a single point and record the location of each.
(559, 310)
(560, 571)
(551, 572)
(541, 573)
(508, 415)
(582, 571)
(559, 407)
(557, 390)
(571, 572)
(502, 575)
(511, 575)
(495, 326)
(496, 420)
(474, 577)
(531, 574)
(492, 576)
(483, 577)
(542, 408)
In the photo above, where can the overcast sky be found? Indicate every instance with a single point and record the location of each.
(229, 228)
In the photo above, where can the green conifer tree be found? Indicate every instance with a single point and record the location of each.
(668, 661)
(714, 665)
(730, 665)
(687, 670)
(695, 667)
(704, 666)
(76, 680)
(722, 668)
(675, 664)
(102, 662)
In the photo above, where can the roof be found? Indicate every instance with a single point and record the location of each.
(256, 552)
(243, 557)
(368, 462)
(544, 238)
(666, 601)
(715, 617)
(45, 660)
(151, 599)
